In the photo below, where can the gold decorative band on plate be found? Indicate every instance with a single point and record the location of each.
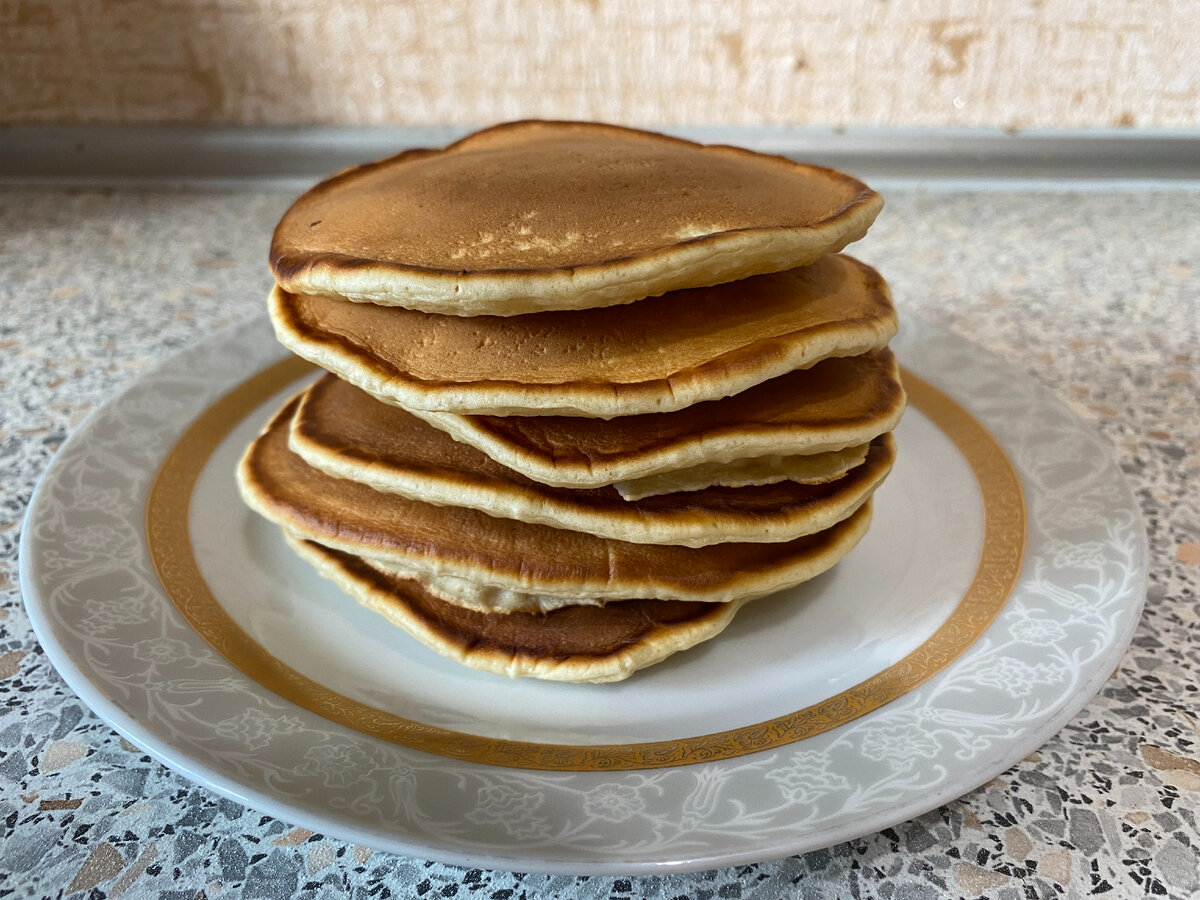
(996, 575)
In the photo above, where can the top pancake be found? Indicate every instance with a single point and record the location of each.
(658, 355)
(533, 216)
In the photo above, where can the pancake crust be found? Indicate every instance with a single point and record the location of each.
(349, 435)
(504, 553)
(574, 643)
(531, 216)
(837, 403)
(659, 355)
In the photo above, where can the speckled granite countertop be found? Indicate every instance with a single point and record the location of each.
(1096, 294)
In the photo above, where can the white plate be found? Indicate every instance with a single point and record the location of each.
(694, 764)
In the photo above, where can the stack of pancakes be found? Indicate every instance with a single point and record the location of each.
(590, 390)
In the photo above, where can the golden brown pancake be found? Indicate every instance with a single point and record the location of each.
(469, 595)
(837, 403)
(505, 553)
(835, 543)
(658, 355)
(532, 216)
(348, 434)
(573, 643)
(817, 468)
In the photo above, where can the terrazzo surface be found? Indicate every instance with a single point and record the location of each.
(1095, 294)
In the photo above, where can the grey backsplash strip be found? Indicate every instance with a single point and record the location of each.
(149, 154)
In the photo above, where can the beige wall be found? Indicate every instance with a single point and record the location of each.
(1096, 63)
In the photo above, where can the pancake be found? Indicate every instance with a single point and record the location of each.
(468, 595)
(836, 404)
(659, 355)
(835, 543)
(346, 433)
(505, 553)
(532, 216)
(820, 468)
(574, 643)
